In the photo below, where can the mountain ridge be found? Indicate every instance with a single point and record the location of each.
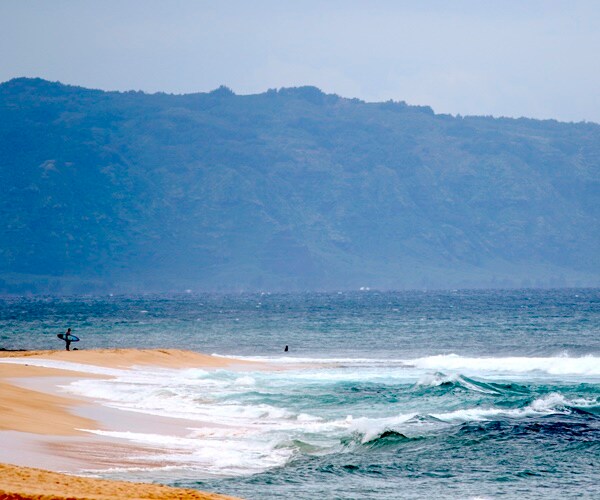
(224, 89)
(291, 189)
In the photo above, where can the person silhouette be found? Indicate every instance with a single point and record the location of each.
(68, 340)
(286, 349)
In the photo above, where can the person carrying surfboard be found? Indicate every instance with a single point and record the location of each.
(67, 337)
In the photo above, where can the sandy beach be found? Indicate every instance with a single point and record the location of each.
(42, 428)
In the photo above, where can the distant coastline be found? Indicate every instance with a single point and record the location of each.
(290, 190)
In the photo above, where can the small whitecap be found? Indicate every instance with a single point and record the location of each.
(246, 380)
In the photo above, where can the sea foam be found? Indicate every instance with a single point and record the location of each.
(239, 423)
(556, 365)
(559, 365)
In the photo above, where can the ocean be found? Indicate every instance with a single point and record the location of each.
(454, 394)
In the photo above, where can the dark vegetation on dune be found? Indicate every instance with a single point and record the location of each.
(286, 190)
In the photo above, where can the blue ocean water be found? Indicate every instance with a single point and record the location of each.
(457, 394)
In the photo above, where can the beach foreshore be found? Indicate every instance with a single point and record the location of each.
(18, 483)
(42, 427)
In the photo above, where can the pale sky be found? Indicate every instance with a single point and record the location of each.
(536, 58)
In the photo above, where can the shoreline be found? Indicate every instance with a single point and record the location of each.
(47, 433)
(27, 483)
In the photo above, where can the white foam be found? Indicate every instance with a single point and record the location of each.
(290, 360)
(245, 423)
(549, 404)
(560, 365)
(65, 365)
(247, 381)
(410, 425)
(222, 456)
(371, 428)
(555, 365)
(437, 379)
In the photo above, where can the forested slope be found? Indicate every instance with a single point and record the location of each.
(286, 190)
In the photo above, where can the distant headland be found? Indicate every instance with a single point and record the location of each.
(291, 189)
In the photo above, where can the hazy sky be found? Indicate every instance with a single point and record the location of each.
(510, 58)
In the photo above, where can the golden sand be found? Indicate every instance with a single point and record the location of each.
(27, 483)
(124, 358)
(40, 413)
(25, 410)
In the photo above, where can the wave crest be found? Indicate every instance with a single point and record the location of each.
(560, 365)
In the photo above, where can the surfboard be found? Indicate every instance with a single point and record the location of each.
(64, 336)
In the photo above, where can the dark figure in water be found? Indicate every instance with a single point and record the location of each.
(286, 349)
(67, 341)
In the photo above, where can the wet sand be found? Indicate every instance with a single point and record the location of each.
(40, 427)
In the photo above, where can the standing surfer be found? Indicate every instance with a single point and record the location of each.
(67, 339)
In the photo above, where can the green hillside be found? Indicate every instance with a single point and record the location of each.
(286, 190)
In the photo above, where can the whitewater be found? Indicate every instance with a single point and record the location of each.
(453, 394)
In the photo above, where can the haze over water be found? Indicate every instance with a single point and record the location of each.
(452, 394)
